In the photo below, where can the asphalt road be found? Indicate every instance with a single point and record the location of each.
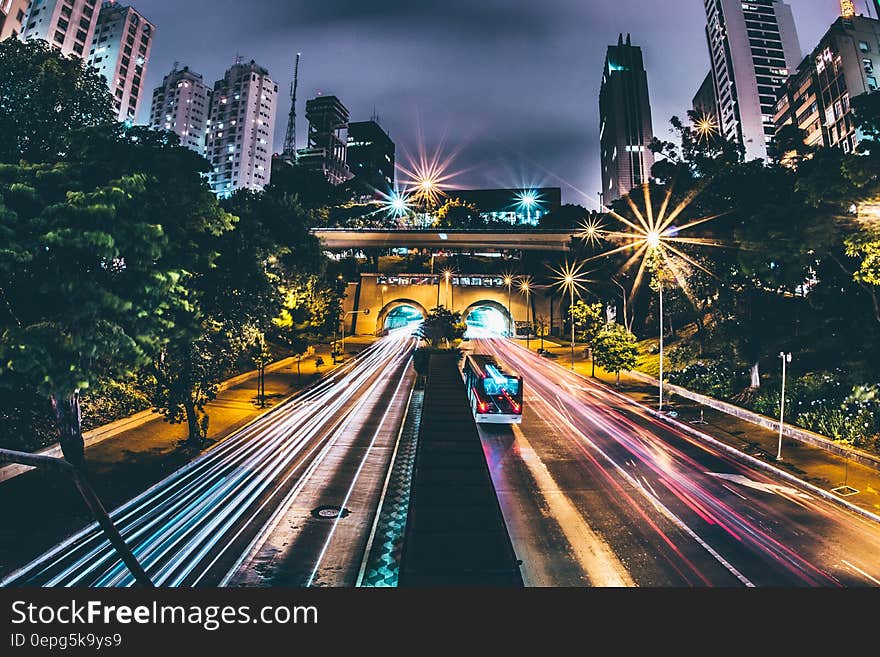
(195, 527)
(597, 492)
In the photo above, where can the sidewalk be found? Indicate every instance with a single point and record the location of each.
(37, 509)
(811, 464)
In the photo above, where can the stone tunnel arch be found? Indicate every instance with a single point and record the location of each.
(494, 305)
(391, 306)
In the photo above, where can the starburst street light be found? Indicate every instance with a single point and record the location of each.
(396, 203)
(429, 176)
(528, 200)
(706, 126)
(655, 242)
(525, 286)
(571, 279)
(591, 231)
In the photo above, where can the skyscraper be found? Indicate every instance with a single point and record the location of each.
(181, 104)
(704, 103)
(818, 97)
(121, 52)
(12, 17)
(241, 129)
(753, 46)
(370, 156)
(625, 118)
(68, 25)
(327, 148)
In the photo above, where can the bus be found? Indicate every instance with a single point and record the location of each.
(495, 394)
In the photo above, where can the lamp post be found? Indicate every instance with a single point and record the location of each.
(447, 274)
(384, 290)
(569, 281)
(786, 358)
(660, 403)
(508, 282)
(526, 288)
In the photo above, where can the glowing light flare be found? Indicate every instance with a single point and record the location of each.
(653, 240)
(571, 278)
(591, 231)
(706, 126)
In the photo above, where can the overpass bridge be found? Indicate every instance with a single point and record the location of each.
(514, 239)
(385, 295)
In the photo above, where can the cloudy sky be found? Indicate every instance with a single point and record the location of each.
(509, 87)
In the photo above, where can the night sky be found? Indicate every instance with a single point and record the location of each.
(510, 87)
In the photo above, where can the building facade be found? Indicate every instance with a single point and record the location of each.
(817, 98)
(370, 156)
(181, 105)
(68, 25)
(120, 52)
(241, 129)
(704, 103)
(626, 129)
(328, 141)
(753, 46)
(13, 14)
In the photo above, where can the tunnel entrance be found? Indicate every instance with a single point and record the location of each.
(403, 316)
(487, 319)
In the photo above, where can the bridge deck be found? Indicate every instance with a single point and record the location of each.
(488, 239)
(455, 533)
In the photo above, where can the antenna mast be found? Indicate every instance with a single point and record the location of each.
(290, 138)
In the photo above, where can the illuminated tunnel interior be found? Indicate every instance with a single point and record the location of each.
(402, 317)
(486, 321)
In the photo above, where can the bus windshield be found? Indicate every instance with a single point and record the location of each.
(495, 386)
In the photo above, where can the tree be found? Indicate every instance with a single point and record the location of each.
(589, 320)
(565, 217)
(85, 287)
(46, 97)
(441, 324)
(542, 328)
(615, 349)
(456, 213)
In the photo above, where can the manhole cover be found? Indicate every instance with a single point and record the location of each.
(329, 512)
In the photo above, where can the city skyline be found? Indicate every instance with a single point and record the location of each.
(393, 58)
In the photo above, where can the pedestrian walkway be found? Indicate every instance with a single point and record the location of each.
(845, 479)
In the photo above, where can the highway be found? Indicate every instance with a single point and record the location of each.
(195, 527)
(598, 492)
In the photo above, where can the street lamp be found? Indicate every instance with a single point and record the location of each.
(447, 274)
(384, 290)
(526, 287)
(508, 282)
(786, 358)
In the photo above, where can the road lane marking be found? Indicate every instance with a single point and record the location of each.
(861, 572)
(734, 492)
(757, 485)
(592, 552)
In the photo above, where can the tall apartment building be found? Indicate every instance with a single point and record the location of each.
(121, 52)
(753, 46)
(181, 104)
(704, 102)
(241, 129)
(817, 97)
(625, 118)
(370, 155)
(327, 147)
(12, 17)
(68, 25)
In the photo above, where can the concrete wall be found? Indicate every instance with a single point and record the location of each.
(788, 430)
(368, 294)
